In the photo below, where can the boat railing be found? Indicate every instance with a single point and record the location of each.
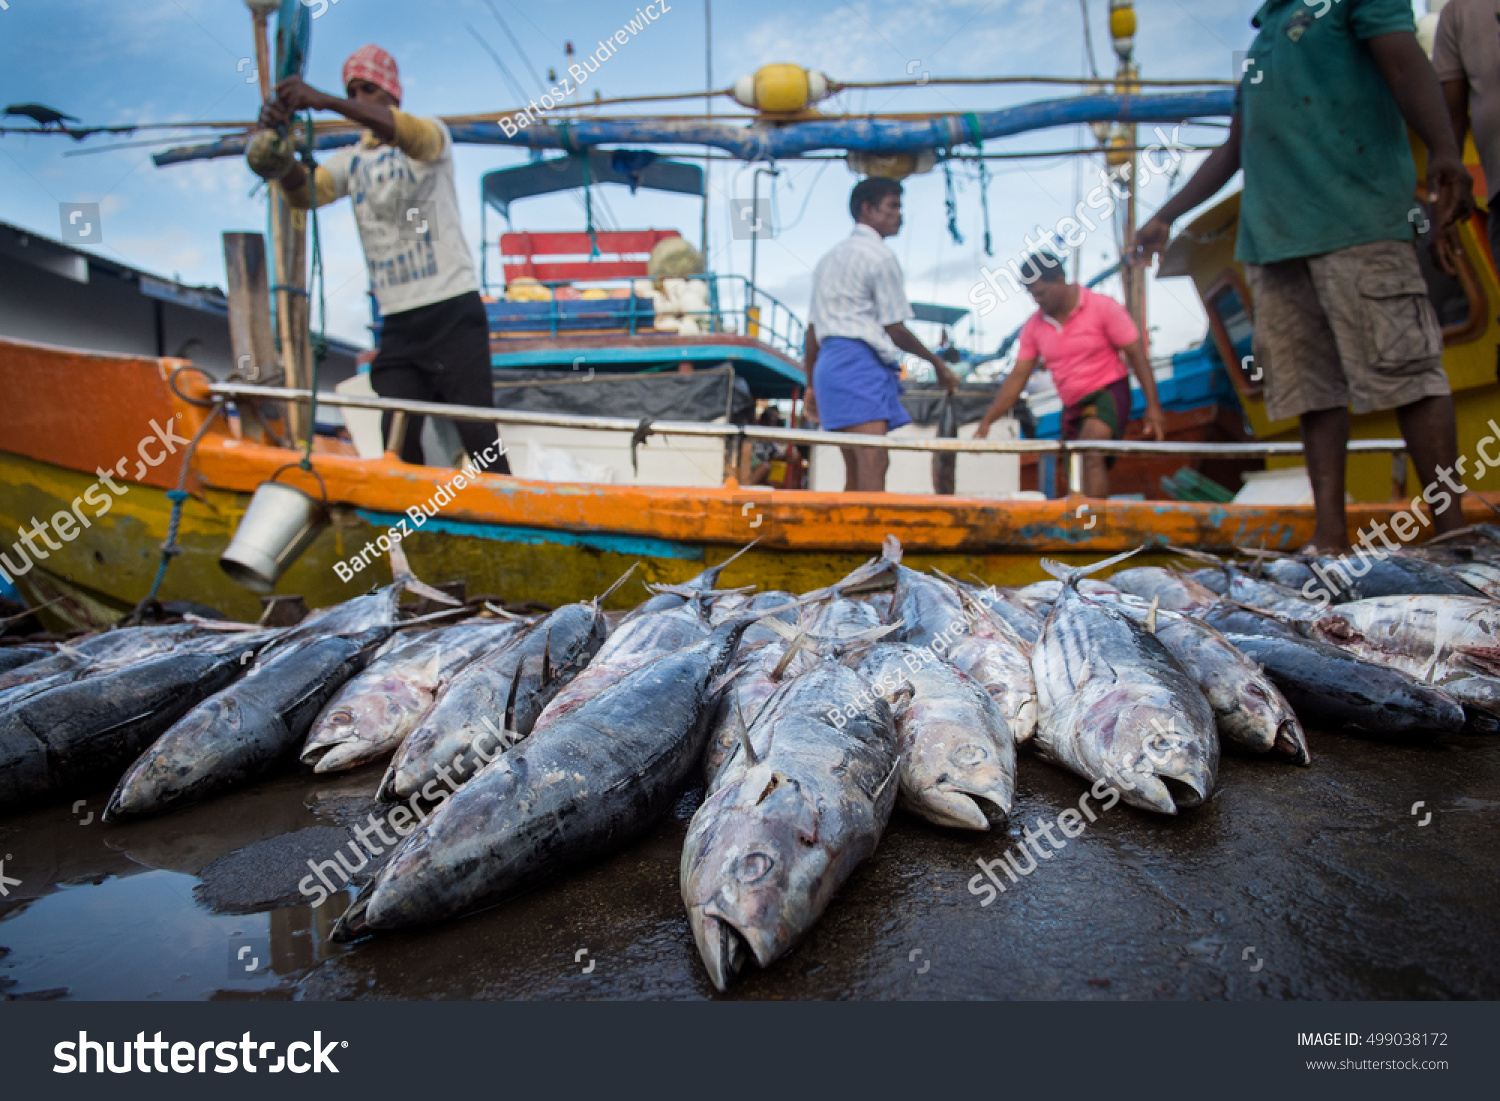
(1073, 451)
(734, 306)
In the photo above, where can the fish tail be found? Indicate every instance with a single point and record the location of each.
(599, 600)
(1071, 575)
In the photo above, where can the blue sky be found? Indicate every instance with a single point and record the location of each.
(177, 60)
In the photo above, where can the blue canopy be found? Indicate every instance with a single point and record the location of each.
(631, 167)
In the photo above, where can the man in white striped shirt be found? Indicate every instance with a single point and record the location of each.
(856, 333)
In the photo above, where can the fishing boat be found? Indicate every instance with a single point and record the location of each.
(105, 459)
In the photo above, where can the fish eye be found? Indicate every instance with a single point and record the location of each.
(340, 718)
(753, 867)
(970, 753)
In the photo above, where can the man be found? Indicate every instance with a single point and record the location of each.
(434, 337)
(856, 333)
(1326, 233)
(1466, 55)
(1080, 336)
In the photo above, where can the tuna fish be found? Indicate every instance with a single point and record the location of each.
(1168, 588)
(13, 657)
(957, 751)
(667, 597)
(1249, 710)
(581, 788)
(794, 812)
(1329, 687)
(243, 732)
(1116, 706)
(372, 714)
(1454, 629)
(493, 702)
(85, 734)
(1364, 575)
(1000, 660)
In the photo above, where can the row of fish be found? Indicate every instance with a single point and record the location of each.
(527, 747)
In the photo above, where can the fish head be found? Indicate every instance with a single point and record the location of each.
(957, 775)
(750, 881)
(1157, 755)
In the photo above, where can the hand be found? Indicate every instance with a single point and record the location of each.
(1450, 190)
(982, 431)
(945, 376)
(1446, 249)
(1150, 239)
(1156, 422)
(810, 405)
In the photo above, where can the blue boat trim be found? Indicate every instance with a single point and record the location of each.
(615, 544)
(741, 356)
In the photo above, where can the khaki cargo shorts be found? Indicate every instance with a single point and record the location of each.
(1352, 328)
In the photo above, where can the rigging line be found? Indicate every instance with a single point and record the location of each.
(811, 187)
(1088, 39)
(504, 69)
(504, 26)
(1160, 82)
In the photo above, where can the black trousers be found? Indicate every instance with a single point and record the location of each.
(439, 353)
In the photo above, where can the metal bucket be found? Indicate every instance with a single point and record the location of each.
(281, 523)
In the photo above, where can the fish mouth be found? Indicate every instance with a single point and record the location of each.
(723, 948)
(1167, 794)
(1292, 741)
(962, 808)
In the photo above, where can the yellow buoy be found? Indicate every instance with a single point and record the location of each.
(1122, 22)
(781, 88)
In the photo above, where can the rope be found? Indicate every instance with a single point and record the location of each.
(950, 201)
(317, 341)
(178, 497)
(984, 176)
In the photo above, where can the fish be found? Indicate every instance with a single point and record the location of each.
(1116, 707)
(1464, 631)
(1232, 583)
(1039, 596)
(785, 607)
(945, 463)
(638, 641)
(839, 616)
(85, 734)
(1484, 576)
(928, 608)
(801, 803)
(373, 609)
(577, 790)
(1250, 712)
(666, 597)
(957, 750)
(1000, 660)
(1477, 693)
(494, 699)
(375, 711)
(1004, 604)
(1327, 686)
(121, 645)
(1379, 574)
(1171, 590)
(757, 675)
(244, 731)
(13, 657)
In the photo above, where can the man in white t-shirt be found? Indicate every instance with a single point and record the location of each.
(434, 337)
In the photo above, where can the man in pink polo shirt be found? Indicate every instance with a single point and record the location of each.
(1080, 336)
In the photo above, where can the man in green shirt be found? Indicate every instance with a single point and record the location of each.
(1327, 232)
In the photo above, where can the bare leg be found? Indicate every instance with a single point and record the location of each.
(1095, 467)
(1431, 436)
(1325, 441)
(865, 467)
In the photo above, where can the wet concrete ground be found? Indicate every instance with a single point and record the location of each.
(1318, 883)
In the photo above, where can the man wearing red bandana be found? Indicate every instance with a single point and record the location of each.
(434, 336)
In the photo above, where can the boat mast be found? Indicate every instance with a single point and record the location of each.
(1127, 83)
(708, 111)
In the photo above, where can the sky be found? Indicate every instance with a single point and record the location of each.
(179, 60)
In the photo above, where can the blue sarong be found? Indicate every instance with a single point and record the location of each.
(854, 387)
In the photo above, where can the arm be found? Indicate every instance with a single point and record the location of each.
(1135, 355)
(1009, 391)
(1456, 95)
(907, 341)
(1212, 174)
(1413, 82)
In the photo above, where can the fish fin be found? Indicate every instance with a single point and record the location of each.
(791, 651)
(1486, 659)
(1071, 575)
(599, 600)
(502, 613)
(717, 570)
(744, 733)
(725, 681)
(547, 659)
(890, 550)
(401, 574)
(1196, 555)
(444, 613)
(1151, 615)
(434, 666)
(880, 788)
(785, 630)
(510, 700)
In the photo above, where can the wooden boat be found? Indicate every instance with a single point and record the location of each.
(72, 414)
